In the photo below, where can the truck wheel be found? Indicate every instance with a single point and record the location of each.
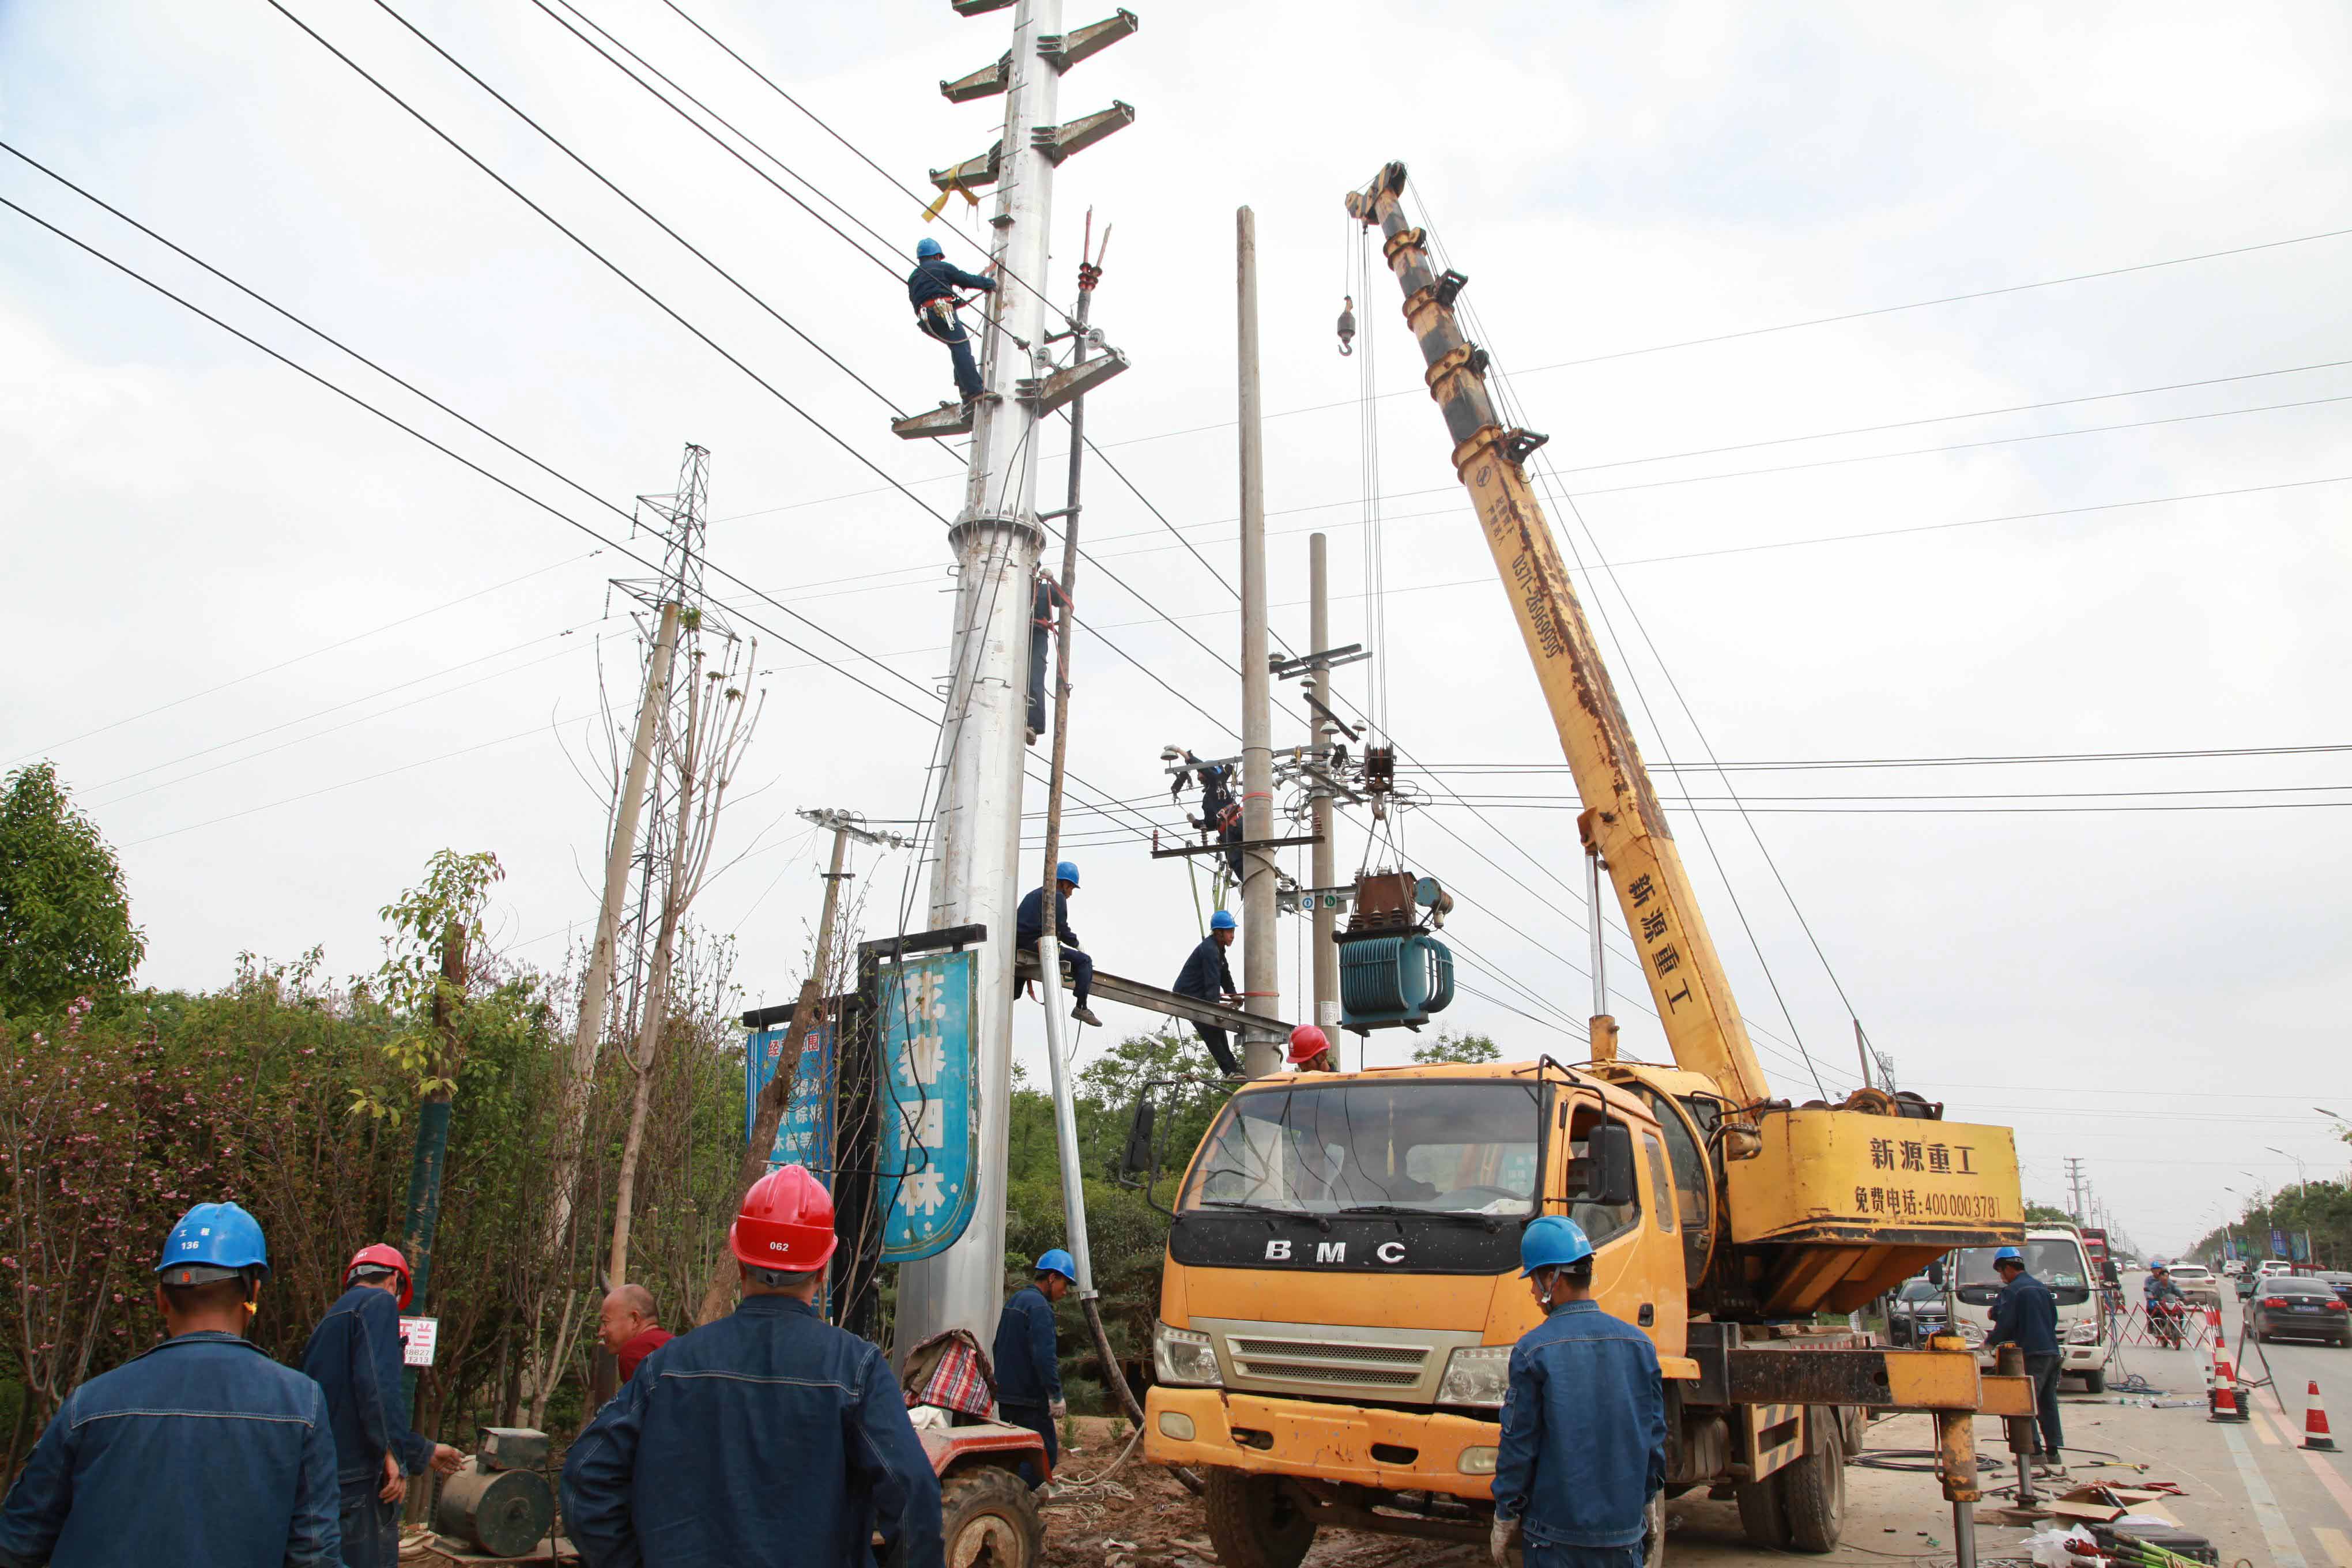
(1760, 1514)
(989, 1519)
(1254, 1522)
(2095, 1381)
(1813, 1490)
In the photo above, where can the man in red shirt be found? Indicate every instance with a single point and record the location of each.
(626, 1325)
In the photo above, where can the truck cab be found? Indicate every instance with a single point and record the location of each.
(2055, 1256)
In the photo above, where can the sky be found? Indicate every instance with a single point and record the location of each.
(1934, 382)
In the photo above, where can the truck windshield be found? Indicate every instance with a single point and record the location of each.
(1411, 1144)
(2056, 1262)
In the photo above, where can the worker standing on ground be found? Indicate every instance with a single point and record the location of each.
(1028, 1368)
(354, 1355)
(1029, 925)
(933, 286)
(767, 1438)
(1311, 1050)
(1208, 977)
(201, 1450)
(1583, 1452)
(2025, 1314)
(625, 1323)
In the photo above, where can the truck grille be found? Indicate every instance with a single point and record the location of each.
(1329, 1364)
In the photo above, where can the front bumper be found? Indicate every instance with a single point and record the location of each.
(1326, 1442)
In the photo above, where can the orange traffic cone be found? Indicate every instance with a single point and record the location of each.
(2226, 1406)
(2314, 1422)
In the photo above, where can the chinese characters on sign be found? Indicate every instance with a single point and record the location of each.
(418, 1339)
(926, 1005)
(1944, 1159)
(804, 1137)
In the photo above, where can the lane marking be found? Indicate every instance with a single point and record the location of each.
(2334, 1543)
(2284, 1553)
(2262, 1429)
(2329, 1476)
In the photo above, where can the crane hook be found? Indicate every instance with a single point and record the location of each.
(1348, 324)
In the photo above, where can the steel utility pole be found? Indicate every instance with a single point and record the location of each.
(1261, 949)
(997, 538)
(2074, 1181)
(1318, 685)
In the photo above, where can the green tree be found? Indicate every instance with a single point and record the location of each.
(1452, 1047)
(65, 919)
(2043, 1214)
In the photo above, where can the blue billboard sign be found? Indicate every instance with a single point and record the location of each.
(930, 1134)
(2278, 1243)
(804, 1137)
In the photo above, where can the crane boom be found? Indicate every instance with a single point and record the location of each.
(1678, 958)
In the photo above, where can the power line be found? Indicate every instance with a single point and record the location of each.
(1966, 761)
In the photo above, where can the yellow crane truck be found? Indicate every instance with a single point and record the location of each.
(1340, 1295)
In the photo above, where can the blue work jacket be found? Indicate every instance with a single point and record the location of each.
(354, 1355)
(2025, 1314)
(1029, 923)
(1584, 1430)
(203, 1451)
(938, 277)
(1206, 974)
(1028, 1370)
(767, 1438)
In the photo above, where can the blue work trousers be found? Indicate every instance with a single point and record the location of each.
(1039, 1419)
(941, 323)
(1082, 971)
(372, 1526)
(1543, 1556)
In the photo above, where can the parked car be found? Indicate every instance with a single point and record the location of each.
(2234, 1269)
(2300, 1306)
(2198, 1286)
(1915, 1311)
(2341, 1283)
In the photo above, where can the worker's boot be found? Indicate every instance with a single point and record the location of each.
(1085, 1016)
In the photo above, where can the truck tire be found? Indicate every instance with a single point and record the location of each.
(1761, 1517)
(1254, 1522)
(1813, 1490)
(989, 1519)
(2095, 1381)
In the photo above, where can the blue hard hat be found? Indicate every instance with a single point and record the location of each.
(2009, 1254)
(1053, 1260)
(1550, 1241)
(1222, 921)
(213, 1241)
(926, 247)
(1067, 871)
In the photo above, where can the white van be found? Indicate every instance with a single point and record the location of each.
(2054, 1255)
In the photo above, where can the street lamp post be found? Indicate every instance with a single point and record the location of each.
(2302, 1199)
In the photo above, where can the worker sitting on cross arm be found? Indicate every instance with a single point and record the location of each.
(1311, 1050)
(932, 287)
(767, 1438)
(1581, 1465)
(625, 1323)
(201, 1450)
(1208, 977)
(1028, 1368)
(354, 1355)
(2025, 1314)
(1029, 925)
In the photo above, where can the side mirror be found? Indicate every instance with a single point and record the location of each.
(1936, 1273)
(1137, 1159)
(1610, 1153)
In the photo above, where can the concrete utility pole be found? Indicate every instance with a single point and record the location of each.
(1318, 685)
(997, 539)
(1261, 949)
(2075, 1181)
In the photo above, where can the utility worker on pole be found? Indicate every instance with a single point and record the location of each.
(1583, 1463)
(1311, 1050)
(1207, 976)
(933, 286)
(1029, 925)
(354, 1355)
(203, 1449)
(768, 1439)
(2025, 1314)
(1028, 1367)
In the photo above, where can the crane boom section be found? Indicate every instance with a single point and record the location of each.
(1678, 958)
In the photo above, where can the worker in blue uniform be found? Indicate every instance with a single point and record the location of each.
(1208, 977)
(354, 1355)
(932, 287)
(201, 1450)
(1029, 926)
(1028, 1368)
(1582, 1462)
(2025, 1314)
(767, 1439)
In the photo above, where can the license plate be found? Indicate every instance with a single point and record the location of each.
(2300, 1308)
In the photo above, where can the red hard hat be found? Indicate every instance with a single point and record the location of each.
(382, 1255)
(786, 1223)
(1306, 1043)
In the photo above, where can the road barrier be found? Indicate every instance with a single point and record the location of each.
(2195, 1333)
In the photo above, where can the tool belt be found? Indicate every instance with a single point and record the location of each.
(935, 316)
